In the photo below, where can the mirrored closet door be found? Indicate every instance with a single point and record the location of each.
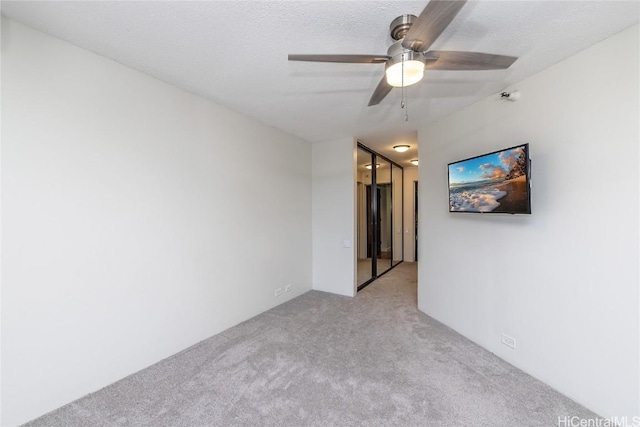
(364, 220)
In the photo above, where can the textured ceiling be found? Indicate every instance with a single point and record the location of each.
(235, 54)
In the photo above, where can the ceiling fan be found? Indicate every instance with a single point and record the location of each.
(408, 57)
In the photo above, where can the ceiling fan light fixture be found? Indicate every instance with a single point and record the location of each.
(406, 58)
(404, 61)
(401, 148)
(413, 73)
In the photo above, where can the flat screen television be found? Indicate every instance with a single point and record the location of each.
(497, 182)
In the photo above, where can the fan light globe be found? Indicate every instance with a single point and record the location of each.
(401, 148)
(413, 73)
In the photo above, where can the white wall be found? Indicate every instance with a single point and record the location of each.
(564, 280)
(334, 199)
(410, 176)
(137, 220)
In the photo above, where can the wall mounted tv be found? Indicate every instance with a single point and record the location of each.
(497, 182)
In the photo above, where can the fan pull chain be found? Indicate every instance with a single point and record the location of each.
(403, 104)
(402, 84)
(406, 113)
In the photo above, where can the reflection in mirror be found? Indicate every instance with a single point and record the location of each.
(398, 240)
(384, 203)
(364, 216)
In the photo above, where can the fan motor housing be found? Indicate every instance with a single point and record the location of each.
(400, 26)
(399, 53)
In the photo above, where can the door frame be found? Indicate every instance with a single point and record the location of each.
(415, 221)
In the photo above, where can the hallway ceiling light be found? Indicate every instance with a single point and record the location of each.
(414, 162)
(368, 166)
(401, 148)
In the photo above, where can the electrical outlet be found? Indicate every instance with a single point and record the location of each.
(278, 292)
(287, 288)
(508, 341)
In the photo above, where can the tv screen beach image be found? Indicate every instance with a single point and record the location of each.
(495, 182)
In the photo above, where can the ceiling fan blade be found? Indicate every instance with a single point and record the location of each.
(351, 59)
(431, 23)
(381, 91)
(452, 60)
